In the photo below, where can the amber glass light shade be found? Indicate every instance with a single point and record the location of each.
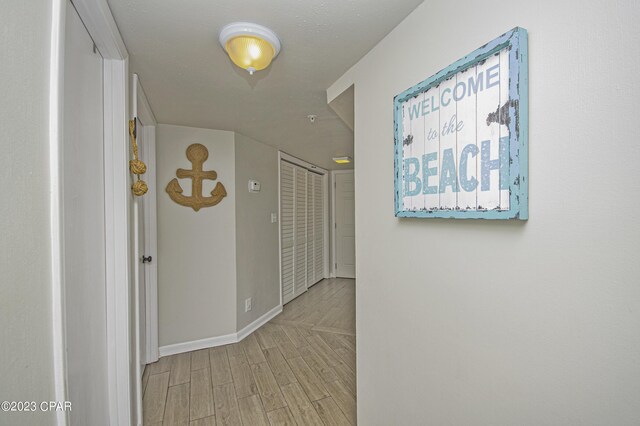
(249, 46)
(250, 52)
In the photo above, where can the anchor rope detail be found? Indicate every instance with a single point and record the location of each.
(136, 165)
(197, 154)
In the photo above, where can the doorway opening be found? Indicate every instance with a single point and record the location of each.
(344, 229)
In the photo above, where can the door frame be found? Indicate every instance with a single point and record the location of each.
(334, 260)
(97, 18)
(325, 183)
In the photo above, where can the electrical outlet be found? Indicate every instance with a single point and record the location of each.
(247, 305)
(274, 217)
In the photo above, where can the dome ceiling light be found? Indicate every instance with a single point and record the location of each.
(250, 46)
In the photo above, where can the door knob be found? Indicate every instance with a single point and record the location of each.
(146, 259)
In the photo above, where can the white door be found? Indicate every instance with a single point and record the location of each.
(145, 241)
(310, 229)
(287, 225)
(150, 291)
(146, 232)
(300, 262)
(141, 258)
(315, 228)
(345, 230)
(318, 227)
(301, 229)
(84, 226)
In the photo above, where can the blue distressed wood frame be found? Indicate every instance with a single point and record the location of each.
(518, 129)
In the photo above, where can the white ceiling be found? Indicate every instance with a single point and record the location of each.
(189, 79)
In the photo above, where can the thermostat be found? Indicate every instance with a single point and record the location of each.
(254, 186)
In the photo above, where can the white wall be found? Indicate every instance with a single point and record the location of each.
(507, 323)
(210, 261)
(258, 267)
(196, 250)
(26, 367)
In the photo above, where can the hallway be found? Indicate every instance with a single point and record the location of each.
(299, 368)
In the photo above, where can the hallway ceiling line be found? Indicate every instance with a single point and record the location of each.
(190, 80)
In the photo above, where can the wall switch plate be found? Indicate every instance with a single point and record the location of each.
(254, 186)
(274, 217)
(247, 305)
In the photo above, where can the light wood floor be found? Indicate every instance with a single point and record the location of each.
(298, 369)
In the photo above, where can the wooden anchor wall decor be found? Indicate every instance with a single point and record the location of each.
(197, 154)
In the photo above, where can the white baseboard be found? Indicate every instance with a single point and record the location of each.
(250, 328)
(194, 345)
(210, 342)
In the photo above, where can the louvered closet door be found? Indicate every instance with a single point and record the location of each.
(300, 231)
(318, 228)
(310, 228)
(287, 208)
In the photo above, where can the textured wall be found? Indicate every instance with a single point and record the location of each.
(505, 323)
(196, 250)
(26, 366)
(258, 267)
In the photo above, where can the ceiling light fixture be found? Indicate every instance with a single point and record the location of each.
(342, 160)
(250, 46)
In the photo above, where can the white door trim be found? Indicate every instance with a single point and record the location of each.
(97, 18)
(56, 120)
(333, 217)
(301, 163)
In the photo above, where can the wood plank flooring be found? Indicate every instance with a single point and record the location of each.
(298, 369)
